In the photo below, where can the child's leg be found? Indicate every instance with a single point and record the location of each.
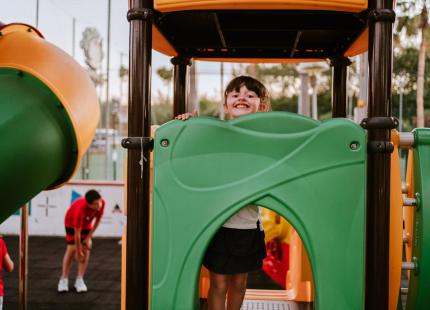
(82, 267)
(67, 260)
(217, 291)
(236, 290)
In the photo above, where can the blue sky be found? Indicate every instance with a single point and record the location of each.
(56, 24)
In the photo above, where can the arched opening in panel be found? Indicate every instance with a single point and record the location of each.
(284, 280)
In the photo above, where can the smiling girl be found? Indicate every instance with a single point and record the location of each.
(238, 247)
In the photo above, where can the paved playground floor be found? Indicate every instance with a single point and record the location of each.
(44, 267)
(103, 277)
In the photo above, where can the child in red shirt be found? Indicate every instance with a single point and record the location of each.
(5, 263)
(81, 220)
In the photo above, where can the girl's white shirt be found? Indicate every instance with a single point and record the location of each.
(245, 218)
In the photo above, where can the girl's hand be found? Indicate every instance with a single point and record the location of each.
(186, 116)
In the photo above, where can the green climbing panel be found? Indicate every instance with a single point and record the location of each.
(419, 285)
(311, 173)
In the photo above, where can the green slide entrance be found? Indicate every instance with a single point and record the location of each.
(38, 145)
(311, 173)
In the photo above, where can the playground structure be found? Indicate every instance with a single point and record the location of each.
(261, 31)
(359, 220)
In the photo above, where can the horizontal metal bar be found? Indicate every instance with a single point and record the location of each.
(404, 291)
(409, 202)
(136, 143)
(409, 266)
(406, 140)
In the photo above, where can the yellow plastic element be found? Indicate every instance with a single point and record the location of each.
(160, 44)
(360, 103)
(299, 276)
(20, 27)
(123, 260)
(22, 50)
(396, 224)
(266, 295)
(151, 165)
(124, 242)
(360, 45)
(408, 212)
(331, 5)
(204, 283)
(275, 226)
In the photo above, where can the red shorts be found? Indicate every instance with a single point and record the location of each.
(70, 235)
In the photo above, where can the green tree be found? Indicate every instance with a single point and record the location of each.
(413, 21)
(166, 75)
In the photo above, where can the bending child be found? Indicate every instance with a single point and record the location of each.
(6, 263)
(81, 221)
(238, 247)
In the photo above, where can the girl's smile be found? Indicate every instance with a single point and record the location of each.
(242, 102)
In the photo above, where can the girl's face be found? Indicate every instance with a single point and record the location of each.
(242, 102)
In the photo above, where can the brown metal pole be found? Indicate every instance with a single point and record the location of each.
(23, 259)
(339, 87)
(180, 84)
(139, 121)
(381, 18)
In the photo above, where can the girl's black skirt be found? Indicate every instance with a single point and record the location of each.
(235, 251)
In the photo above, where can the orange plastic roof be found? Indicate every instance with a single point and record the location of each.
(162, 44)
(332, 5)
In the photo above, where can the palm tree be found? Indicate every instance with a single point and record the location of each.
(414, 22)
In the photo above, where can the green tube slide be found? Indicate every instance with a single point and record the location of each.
(38, 148)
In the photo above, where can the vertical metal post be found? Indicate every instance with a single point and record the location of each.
(304, 95)
(23, 259)
(139, 120)
(180, 64)
(107, 111)
(221, 91)
(73, 36)
(339, 87)
(37, 13)
(381, 18)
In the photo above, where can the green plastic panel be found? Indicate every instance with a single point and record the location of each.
(419, 283)
(311, 173)
(37, 142)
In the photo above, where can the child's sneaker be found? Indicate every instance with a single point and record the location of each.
(80, 285)
(63, 285)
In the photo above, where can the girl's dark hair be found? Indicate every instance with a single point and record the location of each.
(92, 195)
(252, 84)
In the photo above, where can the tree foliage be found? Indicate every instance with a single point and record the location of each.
(91, 43)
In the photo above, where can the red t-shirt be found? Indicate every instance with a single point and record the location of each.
(81, 216)
(3, 252)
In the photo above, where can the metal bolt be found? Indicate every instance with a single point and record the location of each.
(354, 145)
(409, 202)
(404, 291)
(164, 143)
